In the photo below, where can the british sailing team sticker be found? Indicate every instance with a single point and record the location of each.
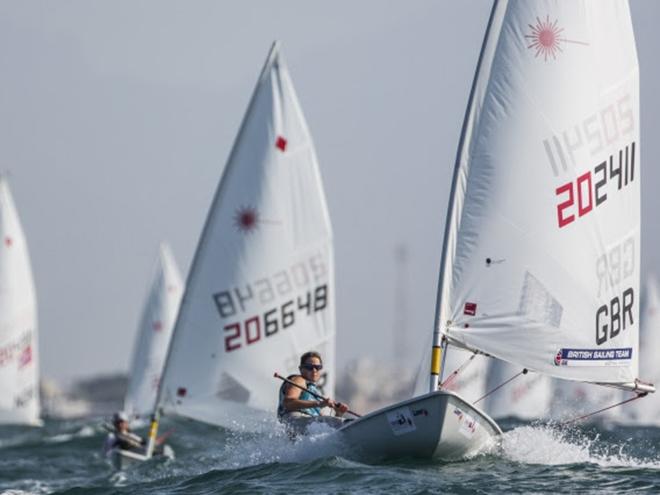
(594, 357)
(401, 421)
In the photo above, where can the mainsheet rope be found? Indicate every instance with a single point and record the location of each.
(580, 418)
(523, 372)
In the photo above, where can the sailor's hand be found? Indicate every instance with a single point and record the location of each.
(327, 403)
(340, 408)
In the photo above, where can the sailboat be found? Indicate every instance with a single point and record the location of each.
(545, 196)
(153, 337)
(19, 373)
(260, 291)
(151, 344)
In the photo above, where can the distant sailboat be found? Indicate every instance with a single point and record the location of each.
(647, 411)
(545, 196)
(19, 373)
(260, 291)
(526, 397)
(153, 337)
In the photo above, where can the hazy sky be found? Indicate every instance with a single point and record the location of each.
(117, 117)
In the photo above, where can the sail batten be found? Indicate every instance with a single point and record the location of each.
(541, 261)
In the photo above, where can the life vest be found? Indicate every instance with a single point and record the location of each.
(304, 395)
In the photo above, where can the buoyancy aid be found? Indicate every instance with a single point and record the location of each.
(304, 395)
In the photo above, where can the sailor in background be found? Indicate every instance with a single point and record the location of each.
(121, 437)
(298, 408)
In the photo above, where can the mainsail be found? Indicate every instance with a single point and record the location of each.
(154, 333)
(19, 374)
(541, 256)
(261, 288)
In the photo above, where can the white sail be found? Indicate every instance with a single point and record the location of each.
(528, 396)
(19, 373)
(261, 288)
(647, 411)
(541, 263)
(153, 337)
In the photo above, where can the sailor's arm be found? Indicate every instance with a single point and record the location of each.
(130, 439)
(293, 402)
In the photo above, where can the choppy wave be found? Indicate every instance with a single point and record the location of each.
(65, 458)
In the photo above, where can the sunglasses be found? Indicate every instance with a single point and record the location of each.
(310, 367)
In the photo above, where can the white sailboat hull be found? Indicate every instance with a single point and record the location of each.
(439, 425)
(123, 459)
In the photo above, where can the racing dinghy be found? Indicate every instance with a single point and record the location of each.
(545, 199)
(151, 346)
(19, 374)
(260, 291)
(124, 459)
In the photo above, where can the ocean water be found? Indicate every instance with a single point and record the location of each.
(64, 457)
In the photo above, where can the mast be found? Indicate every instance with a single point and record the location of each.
(453, 211)
(153, 429)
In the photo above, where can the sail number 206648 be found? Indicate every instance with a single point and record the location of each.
(254, 328)
(579, 197)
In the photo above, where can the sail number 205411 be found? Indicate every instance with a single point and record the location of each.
(579, 197)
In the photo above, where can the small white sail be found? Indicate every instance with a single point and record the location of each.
(261, 287)
(19, 373)
(528, 396)
(542, 255)
(153, 337)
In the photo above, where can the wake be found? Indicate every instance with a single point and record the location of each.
(275, 446)
(556, 445)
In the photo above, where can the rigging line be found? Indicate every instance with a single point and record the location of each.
(458, 370)
(523, 372)
(579, 418)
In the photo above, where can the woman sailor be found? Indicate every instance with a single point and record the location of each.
(297, 407)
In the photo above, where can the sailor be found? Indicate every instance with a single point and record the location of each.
(298, 408)
(121, 437)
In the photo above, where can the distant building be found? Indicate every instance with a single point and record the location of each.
(94, 396)
(367, 384)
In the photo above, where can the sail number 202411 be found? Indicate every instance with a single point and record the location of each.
(589, 190)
